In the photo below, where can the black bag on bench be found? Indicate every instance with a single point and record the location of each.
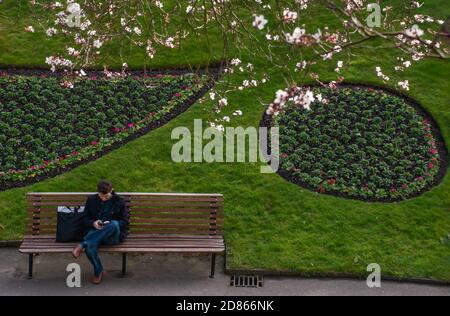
(70, 224)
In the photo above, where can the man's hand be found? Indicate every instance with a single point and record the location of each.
(97, 225)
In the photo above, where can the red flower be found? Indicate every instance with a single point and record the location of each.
(404, 186)
(130, 125)
(42, 167)
(430, 165)
(116, 130)
(94, 143)
(178, 94)
(393, 190)
(332, 181)
(284, 155)
(33, 168)
(433, 151)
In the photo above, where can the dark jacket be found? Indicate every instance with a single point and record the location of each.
(118, 209)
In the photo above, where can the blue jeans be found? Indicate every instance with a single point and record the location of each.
(109, 235)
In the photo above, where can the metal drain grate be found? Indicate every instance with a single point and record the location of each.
(246, 281)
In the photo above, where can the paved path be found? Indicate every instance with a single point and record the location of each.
(171, 275)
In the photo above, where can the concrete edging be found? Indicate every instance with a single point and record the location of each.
(327, 275)
(10, 243)
(306, 275)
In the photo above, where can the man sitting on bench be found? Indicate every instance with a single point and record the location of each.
(106, 222)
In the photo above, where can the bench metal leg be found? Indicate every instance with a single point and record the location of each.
(213, 265)
(124, 264)
(30, 266)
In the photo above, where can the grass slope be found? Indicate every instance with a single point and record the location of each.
(270, 224)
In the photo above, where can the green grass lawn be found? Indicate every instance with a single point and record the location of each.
(270, 224)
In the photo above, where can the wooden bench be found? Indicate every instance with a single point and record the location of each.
(159, 223)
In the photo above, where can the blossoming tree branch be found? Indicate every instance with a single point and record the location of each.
(282, 32)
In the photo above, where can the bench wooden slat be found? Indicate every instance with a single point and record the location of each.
(139, 236)
(134, 199)
(147, 244)
(200, 221)
(43, 194)
(157, 204)
(138, 242)
(159, 223)
(53, 210)
(133, 250)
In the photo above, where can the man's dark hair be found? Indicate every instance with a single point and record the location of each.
(104, 187)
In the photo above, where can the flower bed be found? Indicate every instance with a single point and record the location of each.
(46, 128)
(360, 143)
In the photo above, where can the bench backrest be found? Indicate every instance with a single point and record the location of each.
(150, 213)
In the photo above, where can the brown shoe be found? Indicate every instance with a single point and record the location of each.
(77, 251)
(97, 279)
